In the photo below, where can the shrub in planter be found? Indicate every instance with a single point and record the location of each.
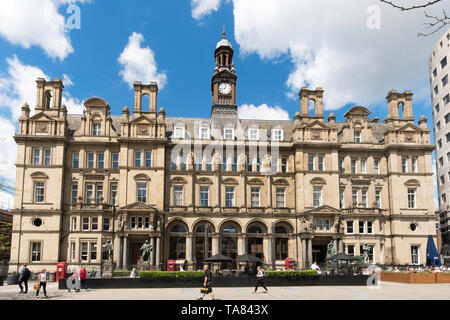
(123, 273)
(171, 274)
(300, 273)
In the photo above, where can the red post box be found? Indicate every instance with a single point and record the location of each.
(289, 264)
(61, 271)
(170, 265)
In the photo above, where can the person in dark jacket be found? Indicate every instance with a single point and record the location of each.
(207, 284)
(23, 278)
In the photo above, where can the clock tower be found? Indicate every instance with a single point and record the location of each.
(223, 82)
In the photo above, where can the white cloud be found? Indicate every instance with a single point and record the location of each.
(6, 200)
(331, 47)
(262, 112)
(201, 8)
(139, 63)
(18, 86)
(37, 23)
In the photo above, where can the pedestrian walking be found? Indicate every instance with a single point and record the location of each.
(207, 284)
(23, 278)
(75, 283)
(42, 279)
(260, 277)
(83, 277)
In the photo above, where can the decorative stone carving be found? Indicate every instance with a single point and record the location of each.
(142, 130)
(42, 127)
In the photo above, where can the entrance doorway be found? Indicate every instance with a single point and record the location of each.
(319, 253)
(135, 254)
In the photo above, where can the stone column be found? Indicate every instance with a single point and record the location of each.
(341, 246)
(244, 244)
(152, 261)
(119, 256)
(304, 251)
(158, 245)
(215, 245)
(125, 253)
(189, 249)
(335, 243)
(310, 255)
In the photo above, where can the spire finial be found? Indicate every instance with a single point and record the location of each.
(224, 34)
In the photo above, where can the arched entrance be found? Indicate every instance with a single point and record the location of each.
(203, 231)
(228, 244)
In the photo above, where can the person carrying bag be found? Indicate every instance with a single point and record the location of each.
(42, 279)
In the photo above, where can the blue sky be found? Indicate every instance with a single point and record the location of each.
(279, 45)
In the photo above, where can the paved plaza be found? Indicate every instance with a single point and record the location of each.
(386, 291)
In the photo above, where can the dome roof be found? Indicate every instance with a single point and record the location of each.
(224, 43)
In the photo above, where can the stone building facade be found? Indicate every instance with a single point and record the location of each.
(198, 187)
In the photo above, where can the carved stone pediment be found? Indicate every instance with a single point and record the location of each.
(365, 182)
(256, 182)
(204, 181)
(323, 210)
(178, 180)
(281, 182)
(138, 206)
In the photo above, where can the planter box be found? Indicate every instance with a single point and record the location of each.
(442, 277)
(220, 282)
(409, 277)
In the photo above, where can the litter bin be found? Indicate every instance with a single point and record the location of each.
(14, 279)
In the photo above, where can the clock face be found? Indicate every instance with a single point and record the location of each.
(225, 88)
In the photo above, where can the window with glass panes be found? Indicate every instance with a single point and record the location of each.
(361, 225)
(341, 165)
(369, 227)
(317, 197)
(204, 196)
(404, 164)
(36, 156)
(114, 194)
(137, 159)
(146, 222)
(179, 133)
(75, 160)
(74, 224)
(341, 198)
(100, 160)
(84, 251)
(258, 164)
(321, 165)
(350, 227)
(378, 198)
(90, 160)
(93, 251)
(250, 164)
(411, 198)
(415, 255)
(376, 166)
(234, 164)
(351, 250)
(228, 134)
(255, 197)
(353, 165)
(72, 252)
(178, 195)
(133, 222)
(277, 135)
(284, 164)
(364, 198)
(414, 165)
(94, 224)
(74, 194)
(148, 159)
(97, 129)
(106, 224)
(204, 133)
(35, 251)
(115, 161)
(47, 157)
(39, 191)
(142, 192)
(357, 136)
(229, 196)
(354, 197)
(363, 166)
(253, 134)
(99, 193)
(85, 224)
(281, 197)
(311, 162)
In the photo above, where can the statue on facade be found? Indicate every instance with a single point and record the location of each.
(331, 250)
(121, 222)
(366, 248)
(267, 163)
(108, 247)
(338, 225)
(146, 250)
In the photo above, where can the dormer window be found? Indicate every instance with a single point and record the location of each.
(357, 136)
(97, 129)
(204, 133)
(179, 133)
(277, 135)
(228, 133)
(253, 134)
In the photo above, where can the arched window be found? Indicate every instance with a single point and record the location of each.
(254, 229)
(203, 242)
(145, 102)
(229, 228)
(48, 100)
(280, 230)
(177, 241)
(255, 241)
(228, 244)
(281, 242)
